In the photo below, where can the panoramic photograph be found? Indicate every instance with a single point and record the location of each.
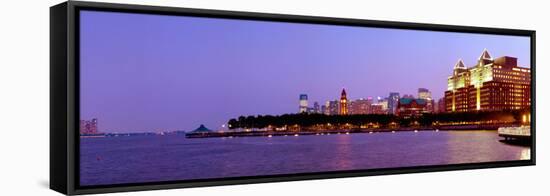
(180, 98)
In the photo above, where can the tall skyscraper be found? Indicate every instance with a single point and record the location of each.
(323, 109)
(343, 103)
(492, 84)
(333, 107)
(384, 103)
(303, 103)
(393, 101)
(316, 108)
(425, 94)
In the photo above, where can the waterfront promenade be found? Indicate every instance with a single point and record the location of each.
(339, 131)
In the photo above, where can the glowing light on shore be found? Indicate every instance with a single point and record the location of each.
(295, 135)
(269, 136)
(416, 131)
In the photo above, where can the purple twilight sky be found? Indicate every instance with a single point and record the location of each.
(142, 72)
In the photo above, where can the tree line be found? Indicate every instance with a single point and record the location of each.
(383, 120)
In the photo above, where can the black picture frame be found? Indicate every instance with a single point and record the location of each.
(64, 95)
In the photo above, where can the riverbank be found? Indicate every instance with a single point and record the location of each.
(328, 132)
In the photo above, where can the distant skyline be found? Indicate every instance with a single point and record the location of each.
(142, 72)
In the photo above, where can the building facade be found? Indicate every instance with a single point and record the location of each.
(359, 106)
(393, 101)
(316, 108)
(440, 105)
(424, 93)
(376, 109)
(303, 103)
(492, 84)
(332, 108)
(89, 126)
(410, 107)
(343, 103)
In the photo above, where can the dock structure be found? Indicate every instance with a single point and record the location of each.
(515, 133)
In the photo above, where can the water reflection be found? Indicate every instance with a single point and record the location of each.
(525, 154)
(343, 155)
(150, 158)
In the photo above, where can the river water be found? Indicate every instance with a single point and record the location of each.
(138, 159)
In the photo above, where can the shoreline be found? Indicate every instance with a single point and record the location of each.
(329, 132)
(264, 133)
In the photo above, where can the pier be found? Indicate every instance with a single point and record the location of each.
(522, 133)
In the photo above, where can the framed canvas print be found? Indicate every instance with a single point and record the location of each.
(146, 97)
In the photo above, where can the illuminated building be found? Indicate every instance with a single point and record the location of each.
(411, 107)
(376, 109)
(384, 103)
(359, 106)
(323, 109)
(393, 100)
(332, 108)
(316, 108)
(88, 126)
(492, 84)
(343, 103)
(408, 96)
(440, 105)
(303, 103)
(425, 94)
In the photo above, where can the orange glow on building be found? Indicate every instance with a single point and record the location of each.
(343, 103)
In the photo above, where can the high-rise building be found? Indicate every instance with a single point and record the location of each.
(359, 106)
(384, 103)
(441, 105)
(393, 101)
(333, 107)
(425, 94)
(316, 108)
(89, 126)
(323, 109)
(303, 103)
(343, 103)
(492, 84)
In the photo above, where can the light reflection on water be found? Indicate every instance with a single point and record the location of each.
(525, 154)
(134, 159)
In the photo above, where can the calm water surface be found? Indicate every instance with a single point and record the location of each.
(114, 160)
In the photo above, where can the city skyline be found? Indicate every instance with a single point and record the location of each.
(157, 72)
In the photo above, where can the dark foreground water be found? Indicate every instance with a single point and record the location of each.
(133, 159)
